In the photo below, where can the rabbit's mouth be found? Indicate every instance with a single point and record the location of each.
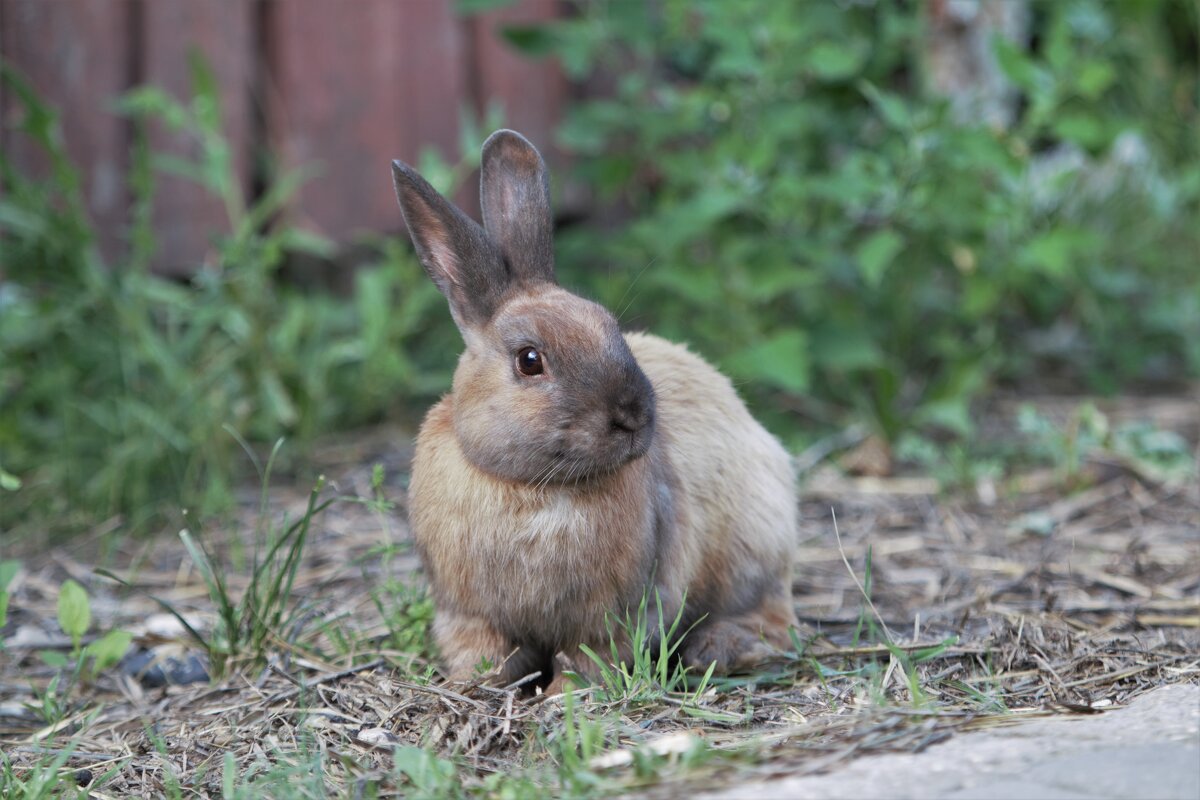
(616, 450)
(625, 445)
(639, 440)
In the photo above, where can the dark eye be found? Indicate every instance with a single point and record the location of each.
(529, 362)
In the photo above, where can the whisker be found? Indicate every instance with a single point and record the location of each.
(629, 288)
(554, 469)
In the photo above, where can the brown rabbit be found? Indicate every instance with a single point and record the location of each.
(573, 469)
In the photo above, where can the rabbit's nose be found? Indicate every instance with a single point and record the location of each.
(630, 414)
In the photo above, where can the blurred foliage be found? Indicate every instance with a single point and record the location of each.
(122, 392)
(790, 200)
(775, 187)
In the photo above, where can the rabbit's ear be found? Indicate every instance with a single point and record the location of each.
(515, 198)
(459, 257)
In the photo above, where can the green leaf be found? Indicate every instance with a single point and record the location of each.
(876, 253)
(108, 649)
(1055, 252)
(479, 6)
(844, 349)
(150, 101)
(74, 612)
(297, 240)
(229, 775)
(278, 399)
(1094, 77)
(781, 361)
(1083, 129)
(532, 40)
(8, 571)
(891, 107)
(710, 715)
(206, 96)
(951, 413)
(53, 658)
(1016, 64)
(430, 775)
(8, 481)
(834, 61)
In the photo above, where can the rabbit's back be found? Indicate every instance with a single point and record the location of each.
(735, 511)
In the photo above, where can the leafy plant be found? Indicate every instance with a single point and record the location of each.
(53, 702)
(790, 200)
(74, 611)
(75, 618)
(116, 385)
(428, 775)
(1159, 455)
(574, 745)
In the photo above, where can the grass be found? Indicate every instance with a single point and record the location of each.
(653, 671)
(266, 607)
(329, 689)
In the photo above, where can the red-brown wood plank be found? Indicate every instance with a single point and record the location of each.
(186, 215)
(433, 78)
(76, 55)
(354, 85)
(349, 85)
(532, 92)
(3, 115)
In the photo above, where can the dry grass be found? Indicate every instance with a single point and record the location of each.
(989, 623)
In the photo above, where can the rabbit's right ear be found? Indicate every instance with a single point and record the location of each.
(460, 258)
(515, 200)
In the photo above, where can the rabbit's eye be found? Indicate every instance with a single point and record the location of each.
(529, 362)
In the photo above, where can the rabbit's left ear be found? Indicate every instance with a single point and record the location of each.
(464, 263)
(515, 199)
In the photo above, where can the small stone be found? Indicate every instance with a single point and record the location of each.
(155, 670)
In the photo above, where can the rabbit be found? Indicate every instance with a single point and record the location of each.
(573, 470)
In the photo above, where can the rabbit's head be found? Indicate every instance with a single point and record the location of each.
(547, 389)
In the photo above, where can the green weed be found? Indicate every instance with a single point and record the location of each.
(652, 669)
(56, 700)
(573, 746)
(248, 625)
(408, 612)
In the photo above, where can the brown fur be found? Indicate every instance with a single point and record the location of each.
(543, 505)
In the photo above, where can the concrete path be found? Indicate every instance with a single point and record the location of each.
(1149, 750)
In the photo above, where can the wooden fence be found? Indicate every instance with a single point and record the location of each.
(345, 85)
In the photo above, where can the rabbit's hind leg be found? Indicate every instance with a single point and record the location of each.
(742, 642)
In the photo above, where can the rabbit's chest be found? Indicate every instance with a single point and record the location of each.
(554, 566)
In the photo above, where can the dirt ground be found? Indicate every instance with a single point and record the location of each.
(1019, 598)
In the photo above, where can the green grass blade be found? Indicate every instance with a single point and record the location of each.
(170, 609)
